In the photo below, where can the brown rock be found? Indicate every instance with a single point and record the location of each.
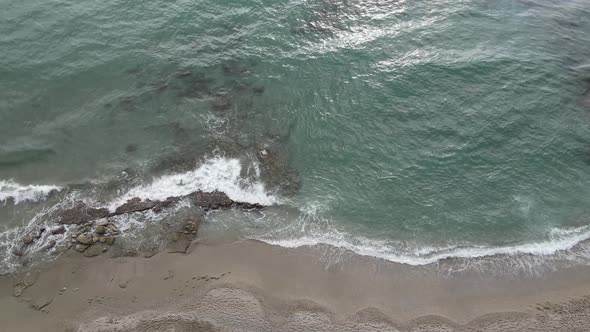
(84, 238)
(100, 230)
(81, 247)
(81, 213)
(135, 205)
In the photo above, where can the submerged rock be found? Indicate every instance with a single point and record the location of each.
(18, 251)
(50, 245)
(222, 103)
(28, 239)
(184, 234)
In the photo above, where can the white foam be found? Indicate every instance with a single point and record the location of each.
(560, 240)
(24, 193)
(219, 173)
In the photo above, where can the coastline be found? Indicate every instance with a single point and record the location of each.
(251, 285)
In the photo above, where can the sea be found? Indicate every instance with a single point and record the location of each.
(416, 132)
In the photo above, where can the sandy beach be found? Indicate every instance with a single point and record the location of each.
(253, 286)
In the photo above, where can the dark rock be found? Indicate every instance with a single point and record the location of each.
(59, 230)
(80, 213)
(249, 206)
(84, 238)
(50, 245)
(177, 163)
(168, 202)
(135, 205)
(258, 90)
(214, 200)
(184, 74)
(131, 148)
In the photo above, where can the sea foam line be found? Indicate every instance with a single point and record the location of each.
(219, 173)
(561, 240)
(24, 193)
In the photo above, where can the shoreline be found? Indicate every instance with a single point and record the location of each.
(251, 285)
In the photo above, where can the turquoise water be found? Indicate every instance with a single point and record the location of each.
(408, 130)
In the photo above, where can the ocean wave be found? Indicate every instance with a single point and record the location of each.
(559, 240)
(24, 193)
(219, 173)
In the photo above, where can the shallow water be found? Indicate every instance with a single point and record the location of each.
(412, 131)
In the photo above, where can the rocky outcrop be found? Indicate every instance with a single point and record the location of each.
(135, 205)
(80, 214)
(94, 232)
(211, 201)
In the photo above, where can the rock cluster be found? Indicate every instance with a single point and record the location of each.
(94, 232)
(91, 241)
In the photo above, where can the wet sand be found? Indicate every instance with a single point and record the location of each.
(252, 286)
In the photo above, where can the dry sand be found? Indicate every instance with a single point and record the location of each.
(252, 286)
